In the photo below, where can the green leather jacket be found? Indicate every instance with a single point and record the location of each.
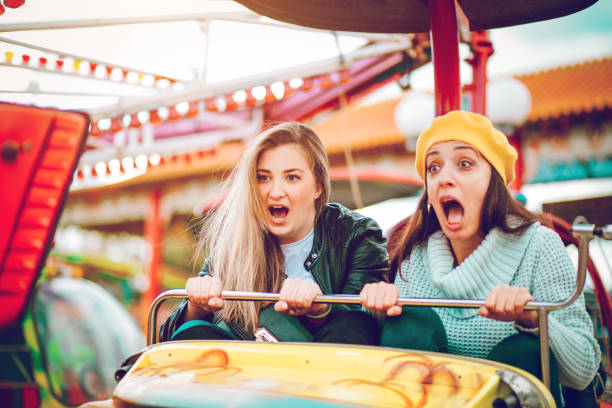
(349, 250)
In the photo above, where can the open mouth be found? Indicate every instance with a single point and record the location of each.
(278, 211)
(453, 211)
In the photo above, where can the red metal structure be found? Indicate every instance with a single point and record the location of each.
(445, 44)
(153, 234)
(482, 49)
(40, 150)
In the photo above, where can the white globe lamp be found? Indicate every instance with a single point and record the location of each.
(508, 102)
(413, 114)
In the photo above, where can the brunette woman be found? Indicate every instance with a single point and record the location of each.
(468, 239)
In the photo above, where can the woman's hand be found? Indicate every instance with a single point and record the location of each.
(381, 297)
(296, 296)
(204, 294)
(507, 303)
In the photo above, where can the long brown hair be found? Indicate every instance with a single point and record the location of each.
(498, 204)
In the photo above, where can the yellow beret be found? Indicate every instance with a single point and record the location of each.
(474, 129)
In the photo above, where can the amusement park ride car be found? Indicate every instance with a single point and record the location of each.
(44, 145)
(39, 152)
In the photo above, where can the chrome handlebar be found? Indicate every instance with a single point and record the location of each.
(581, 230)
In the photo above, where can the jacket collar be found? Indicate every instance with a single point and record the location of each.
(322, 279)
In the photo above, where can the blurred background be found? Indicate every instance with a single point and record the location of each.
(176, 89)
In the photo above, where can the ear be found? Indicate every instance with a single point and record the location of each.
(318, 192)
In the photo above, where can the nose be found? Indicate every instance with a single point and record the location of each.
(278, 189)
(446, 176)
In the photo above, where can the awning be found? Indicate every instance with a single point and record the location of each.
(408, 16)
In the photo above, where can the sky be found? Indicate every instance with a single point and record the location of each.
(582, 36)
(235, 50)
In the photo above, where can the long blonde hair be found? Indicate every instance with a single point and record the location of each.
(240, 250)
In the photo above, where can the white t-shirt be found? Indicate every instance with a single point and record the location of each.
(295, 255)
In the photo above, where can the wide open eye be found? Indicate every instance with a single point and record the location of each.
(432, 168)
(465, 164)
(262, 178)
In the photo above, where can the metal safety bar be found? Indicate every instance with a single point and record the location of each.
(580, 229)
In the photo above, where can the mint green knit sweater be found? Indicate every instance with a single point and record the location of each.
(536, 260)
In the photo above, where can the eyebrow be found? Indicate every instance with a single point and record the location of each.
(432, 152)
(466, 147)
(284, 171)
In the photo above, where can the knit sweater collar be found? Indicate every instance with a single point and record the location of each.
(493, 263)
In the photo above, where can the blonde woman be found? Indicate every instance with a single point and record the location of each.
(276, 232)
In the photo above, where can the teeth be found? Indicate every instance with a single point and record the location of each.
(278, 210)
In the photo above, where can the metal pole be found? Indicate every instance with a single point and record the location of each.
(331, 299)
(482, 49)
(153, 235)
(584, 233)
(516, 140)
(205, 30)
(445, 46)
(337, 299)
(544, 349)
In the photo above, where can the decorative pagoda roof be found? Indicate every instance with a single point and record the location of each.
(570, 90)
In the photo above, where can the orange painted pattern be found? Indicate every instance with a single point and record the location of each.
(352, 375)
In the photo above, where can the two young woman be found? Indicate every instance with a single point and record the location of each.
(276, 232)
(467, 240)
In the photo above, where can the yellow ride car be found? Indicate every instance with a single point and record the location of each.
(249, 374)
